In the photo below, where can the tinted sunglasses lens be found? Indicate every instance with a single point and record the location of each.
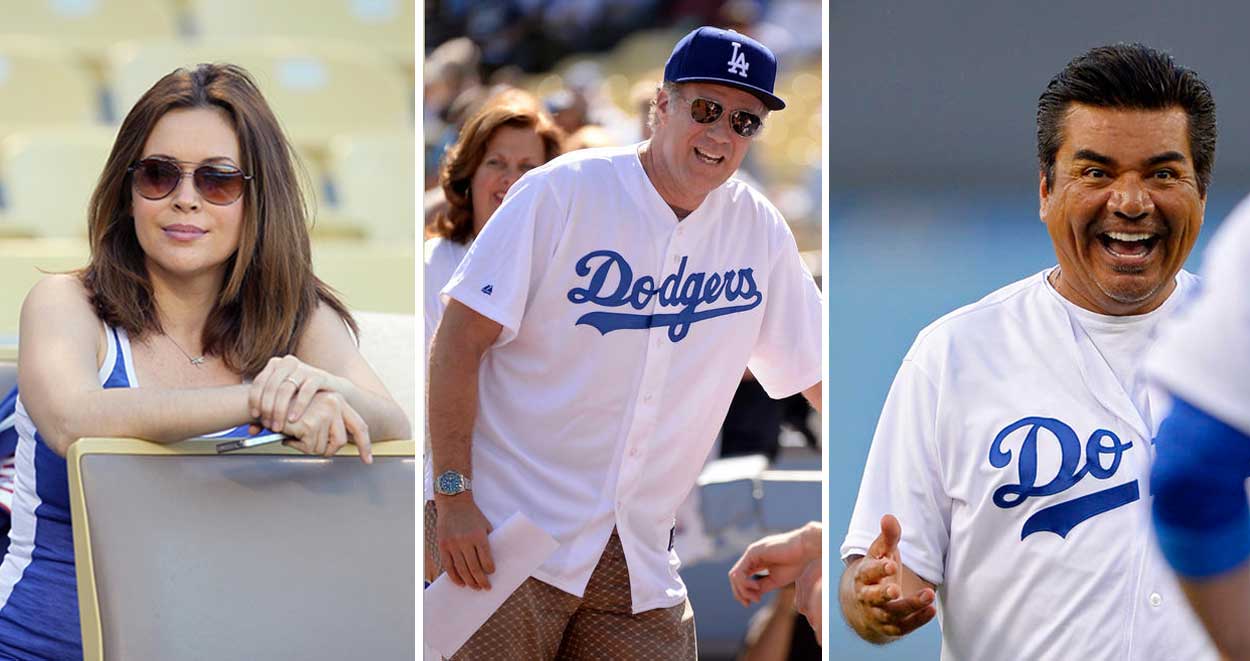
(155, 179)
(704, 111)
(745, 124)
(219, 185)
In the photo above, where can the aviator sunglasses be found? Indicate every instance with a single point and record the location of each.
(156, 178)
(707, 111)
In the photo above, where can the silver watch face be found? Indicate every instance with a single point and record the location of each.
(450, 483)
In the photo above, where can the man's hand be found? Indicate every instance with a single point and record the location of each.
(462, 545)
(807, 595)
(872, 591)
(784, 556)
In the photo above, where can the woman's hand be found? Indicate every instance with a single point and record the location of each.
(327, 424)
(282, 391)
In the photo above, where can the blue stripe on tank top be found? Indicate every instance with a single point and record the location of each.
(40, 619)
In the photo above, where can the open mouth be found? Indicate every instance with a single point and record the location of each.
(1129, 247)
(708, 158)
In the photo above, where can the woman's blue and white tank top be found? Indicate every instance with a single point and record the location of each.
(38, 590)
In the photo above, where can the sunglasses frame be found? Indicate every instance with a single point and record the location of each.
(717, 110)
(229, 171)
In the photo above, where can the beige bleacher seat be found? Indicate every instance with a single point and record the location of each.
(42, 84)
(373, 174)
(387, 341)
(182, 554)
(384, 25)
(49, 175)
(87, 26)
(317, 90)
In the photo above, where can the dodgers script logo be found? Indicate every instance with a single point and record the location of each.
(1103, 451)
(612, 285)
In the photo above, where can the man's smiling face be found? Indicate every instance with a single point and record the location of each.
(1124, 209)
(701, 157)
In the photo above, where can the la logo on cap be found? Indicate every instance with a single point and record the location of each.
(738, 61)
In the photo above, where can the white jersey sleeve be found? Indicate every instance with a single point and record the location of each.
(511, 254)
(903, 477)
(786, 357)
(1203, 354)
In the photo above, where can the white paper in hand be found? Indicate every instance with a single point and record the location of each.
(453, 613)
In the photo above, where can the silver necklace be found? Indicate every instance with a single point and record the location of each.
(194, 360)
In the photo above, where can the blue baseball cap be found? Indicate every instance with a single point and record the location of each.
(713, 55)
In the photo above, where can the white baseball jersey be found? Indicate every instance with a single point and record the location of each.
(441, 259)
(1203, 355)
(625, 334)
(1016, 458)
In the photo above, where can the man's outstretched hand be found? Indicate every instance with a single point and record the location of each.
(873, 590)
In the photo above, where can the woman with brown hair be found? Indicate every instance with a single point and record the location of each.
(197, 312)
(509, 136)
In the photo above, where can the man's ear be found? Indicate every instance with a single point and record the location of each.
(1043, 195)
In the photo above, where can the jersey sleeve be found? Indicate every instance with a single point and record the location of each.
(1203, 354)
(903, 477)
(433, 279)
(786, 356)
(510, 255)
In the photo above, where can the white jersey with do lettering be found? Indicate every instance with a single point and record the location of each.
(625, 334)
(1203, 355)
(1014, 448)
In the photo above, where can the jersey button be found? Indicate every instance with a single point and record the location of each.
(1156, 599)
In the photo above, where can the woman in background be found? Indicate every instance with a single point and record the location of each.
(197, 312)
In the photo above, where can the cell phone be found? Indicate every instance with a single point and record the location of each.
(250, 442)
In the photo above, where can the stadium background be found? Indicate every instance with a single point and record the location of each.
(597, 63)
(933, 184)
(340, 79)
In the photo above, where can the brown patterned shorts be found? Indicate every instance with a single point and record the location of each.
(542, 622)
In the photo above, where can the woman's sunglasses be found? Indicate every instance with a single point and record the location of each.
(707, 111)
(157, 178)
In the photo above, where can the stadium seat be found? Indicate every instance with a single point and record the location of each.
(316, 90)
(41, 84)
(370, 276)
(88, 26)
(383, 25)
(262, 554)
(49, 175)
(23, 262)
(373, 175)
(386, 341)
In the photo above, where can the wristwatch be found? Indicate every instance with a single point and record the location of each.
(451, 483)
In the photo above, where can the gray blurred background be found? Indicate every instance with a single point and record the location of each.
(933, 184)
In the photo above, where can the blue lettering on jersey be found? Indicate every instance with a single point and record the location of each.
(612, 284)
(1062, 517)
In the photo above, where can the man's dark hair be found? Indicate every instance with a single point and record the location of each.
(1131, 76)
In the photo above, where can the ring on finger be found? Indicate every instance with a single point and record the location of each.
(297, 383)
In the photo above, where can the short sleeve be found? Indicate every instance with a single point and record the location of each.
(903, 477)
(511, 254)
(786, 356)
(1203, 354)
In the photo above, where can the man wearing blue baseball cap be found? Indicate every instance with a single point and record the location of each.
(594, 336)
